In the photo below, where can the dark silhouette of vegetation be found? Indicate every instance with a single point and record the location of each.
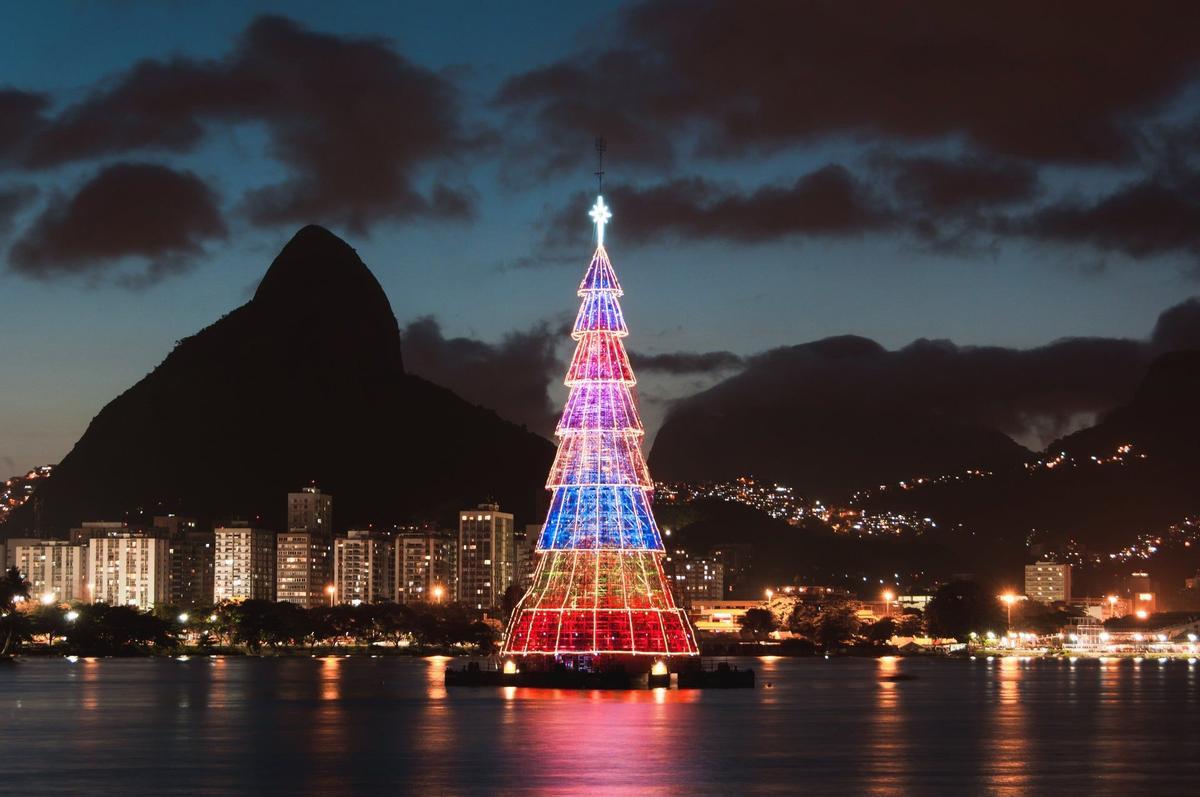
(103, 630)
(254, 627)
(879, 632)
(960, 607)
(830, 624)
(759, 623)
(14, 626)
(911, 623)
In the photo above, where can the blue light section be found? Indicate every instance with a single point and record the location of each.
(600, 275)
(600, 517)
(599, 312)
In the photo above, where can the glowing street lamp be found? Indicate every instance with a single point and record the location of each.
(437, 593)
(330, 591)
(183, 617)
(770, 594)
(887, 602)
(1009, 599)
(48, 599)
(71, 616)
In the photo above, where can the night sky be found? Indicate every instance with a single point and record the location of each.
(1005, 177)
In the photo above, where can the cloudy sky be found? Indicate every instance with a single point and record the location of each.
(1001, 174)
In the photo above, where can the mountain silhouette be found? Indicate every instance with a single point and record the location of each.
(826, 417)
(1160, 421)
(303, 384)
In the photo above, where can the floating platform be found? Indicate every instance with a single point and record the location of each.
(723, 676)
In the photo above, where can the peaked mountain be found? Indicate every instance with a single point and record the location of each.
(1096, 498)
(795, 416)
(1161, 420)
(305, 383)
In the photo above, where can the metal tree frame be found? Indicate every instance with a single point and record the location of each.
(599, 590)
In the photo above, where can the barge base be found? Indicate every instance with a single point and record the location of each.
(722, 676)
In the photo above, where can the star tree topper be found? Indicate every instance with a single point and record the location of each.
(601, 215)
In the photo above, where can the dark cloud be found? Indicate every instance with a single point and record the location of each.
(826, 202)
(142, 211)
(13, 200)
(352, 120)
(510, 377)
(1056, 82)
(959, 186)
(686, 362)
(20, 120)
(1155, 216)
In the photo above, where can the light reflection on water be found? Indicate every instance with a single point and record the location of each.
(850, 726)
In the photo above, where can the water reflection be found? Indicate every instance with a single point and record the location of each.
(1007, 742)
(850, 726)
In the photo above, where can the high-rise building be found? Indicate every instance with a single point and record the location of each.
(423, 567)
(310, 510)
(10, 551)
(129, 569)
(193, 562)
(599, 593)
(525, 552)
(244, 563)
(304, 553)
(1048, 582)
(53, 568)
(700, 579)
(108, 528)
(362, 568)
(302, 568)
(1141, 597)
(175, 525)
(486, 565)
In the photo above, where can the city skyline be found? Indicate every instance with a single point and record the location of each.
(1087, 201)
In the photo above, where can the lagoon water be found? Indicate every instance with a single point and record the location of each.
(315, 726)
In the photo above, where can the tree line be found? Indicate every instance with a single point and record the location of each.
(252, 626)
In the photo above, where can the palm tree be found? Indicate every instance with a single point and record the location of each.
(13, 588)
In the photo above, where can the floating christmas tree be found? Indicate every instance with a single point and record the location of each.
(599, 594)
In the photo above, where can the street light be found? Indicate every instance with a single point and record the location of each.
(770, 594)
(47, 598)
(330, 591)
(887, 602)
(1009, 599)
(183, 617)
(437, 593)
(71, 616)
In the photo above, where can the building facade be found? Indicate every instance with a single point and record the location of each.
(244, 563)
(423, 567)
(362, 568)
(694, 580)
(303, 568)
(193, 561)
(486, 565)
(104, 528)
(1048, 582)
(129, 570)
(525, 552)
(55, 569)
(304, 553)
(310, 510)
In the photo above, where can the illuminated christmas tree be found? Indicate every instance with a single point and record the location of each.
(599, 595)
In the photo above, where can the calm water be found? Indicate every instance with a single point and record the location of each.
(336, 725)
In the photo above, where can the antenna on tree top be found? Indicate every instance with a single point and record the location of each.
(601, 146)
